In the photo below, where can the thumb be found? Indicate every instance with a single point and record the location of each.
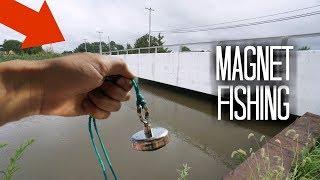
(119, 67)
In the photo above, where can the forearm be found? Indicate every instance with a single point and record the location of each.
(20, 89)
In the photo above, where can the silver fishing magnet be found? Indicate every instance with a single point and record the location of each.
(143, 142)
(149, 139)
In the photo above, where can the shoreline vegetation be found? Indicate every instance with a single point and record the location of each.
(11, 49)
(305, 164)
(25, 56)
(13, 167)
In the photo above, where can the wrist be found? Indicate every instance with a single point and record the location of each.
(20, 89)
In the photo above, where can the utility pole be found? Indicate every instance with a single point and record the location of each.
(85, 44)
(100, 38)
(109, 45)
(51, 48)
(150, 13)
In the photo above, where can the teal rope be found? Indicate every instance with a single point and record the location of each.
(140, 102)
(96, 149)
(104, 149)
(140, 99)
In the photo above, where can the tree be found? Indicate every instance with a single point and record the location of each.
(116, 47)
(15, 46)
(119, 47)
(184, 49)
(304, 48)
(66, 52)
(82, 48)
(12, 45)
(139, 43)
(91, 47)
(128, 46)
(33, 50)
(95, 47)
(130, 49)
(143, 41)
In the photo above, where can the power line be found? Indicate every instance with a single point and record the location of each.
(239, 20)
(247, 24)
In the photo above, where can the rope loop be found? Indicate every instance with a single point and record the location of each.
(141, 106)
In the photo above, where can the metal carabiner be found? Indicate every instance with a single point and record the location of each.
(145, 119)
(148, 139)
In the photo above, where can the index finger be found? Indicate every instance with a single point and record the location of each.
(119, 67)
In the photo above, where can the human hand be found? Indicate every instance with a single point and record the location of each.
(75, 85)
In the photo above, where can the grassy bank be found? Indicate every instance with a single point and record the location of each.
(308, 167)
(305, 164)
(25, 56)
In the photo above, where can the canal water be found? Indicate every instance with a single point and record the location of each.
(62, 149)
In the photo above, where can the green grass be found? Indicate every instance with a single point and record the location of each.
(2, 145)
(184, 172)
(38, 56)
(13, 166)
(308, 167)
(305, 164)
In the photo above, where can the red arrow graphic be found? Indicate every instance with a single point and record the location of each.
(39, 27)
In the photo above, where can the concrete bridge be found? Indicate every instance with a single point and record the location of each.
(194, 71)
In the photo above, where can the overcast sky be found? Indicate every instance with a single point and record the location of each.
(124, 20)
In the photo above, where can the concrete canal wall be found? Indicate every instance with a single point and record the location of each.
(194, 71)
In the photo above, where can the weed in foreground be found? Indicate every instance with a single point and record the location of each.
(13, 167)
(184, 172)
(305, 163)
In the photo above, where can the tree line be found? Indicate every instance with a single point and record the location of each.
(14, 46)
(94, 47)
(141, 42)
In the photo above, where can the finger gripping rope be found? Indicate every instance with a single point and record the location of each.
(92, 121)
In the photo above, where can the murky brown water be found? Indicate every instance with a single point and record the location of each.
(62, 149)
